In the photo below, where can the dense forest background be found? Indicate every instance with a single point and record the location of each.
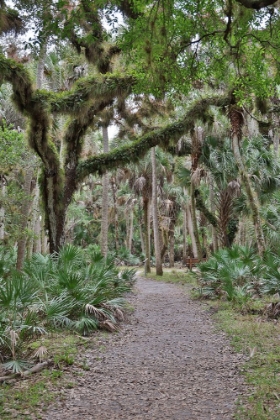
(189, 90)
(135, 132)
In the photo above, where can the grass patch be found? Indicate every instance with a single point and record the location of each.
(27, 399)
(258, 338)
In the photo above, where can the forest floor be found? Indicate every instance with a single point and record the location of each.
(168, 362)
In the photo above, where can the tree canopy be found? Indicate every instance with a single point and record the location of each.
(206, 54)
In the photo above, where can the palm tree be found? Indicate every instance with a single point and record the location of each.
(158, 257)
(141, 183)
(105, 198)
(197, 141)
(170, 207)
(236, 120)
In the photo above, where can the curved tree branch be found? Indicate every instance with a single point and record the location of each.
(162, 137)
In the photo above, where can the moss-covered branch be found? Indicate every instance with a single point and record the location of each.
(162, 137)
(88, 89)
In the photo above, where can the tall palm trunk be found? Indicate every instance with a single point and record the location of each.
(159, 271)
(236, 120)
(147, 234)
(140, 227)
(184, 256)
(105, 199)
(195, 232)
(196, 137)
(212, 209)
(191, 230)
(172, 243)
(116, 217)
(129, 228)
(26, 203)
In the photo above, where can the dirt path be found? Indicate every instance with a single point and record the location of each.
(167, 363)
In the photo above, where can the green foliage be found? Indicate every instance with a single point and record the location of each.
(230, 272)
(13, 149)
(239, 273)
(124, 257)
(74, 289)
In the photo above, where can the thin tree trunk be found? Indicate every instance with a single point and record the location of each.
(184, 256)
(159, 270)
(236, 124)
(105, 199)
(194, 225)
(141, 232)
(25, 213)
(212, 209)
(197, 140)
(191, 232)
(116, 216)
(147, 234)
(44, 243)
(171, 243)
(130, 230)
(34, 243)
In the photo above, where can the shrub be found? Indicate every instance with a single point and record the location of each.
(75, 289)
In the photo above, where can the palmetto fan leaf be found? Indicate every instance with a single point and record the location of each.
(57, 310)
(85, 325)
(16, 366)
(70, 255)
(77, 289)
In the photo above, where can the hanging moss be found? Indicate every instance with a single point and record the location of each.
(137, 149)
(89, 89)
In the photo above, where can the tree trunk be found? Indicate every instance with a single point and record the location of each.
(147, 234)
(129, 227)
(140, 221)
(212, 209)
(34, 243)
(26, 203)
(195, 232)
(236, 119)
(191, 232)
(197, 140)
(171, 243)
(116, 217)
(105, 199)
(159, 271)
(184, 256)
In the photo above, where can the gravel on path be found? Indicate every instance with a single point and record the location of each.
(168, 362)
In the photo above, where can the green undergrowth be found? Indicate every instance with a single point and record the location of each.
(31, 397)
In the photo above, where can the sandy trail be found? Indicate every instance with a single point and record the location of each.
(168, 362)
